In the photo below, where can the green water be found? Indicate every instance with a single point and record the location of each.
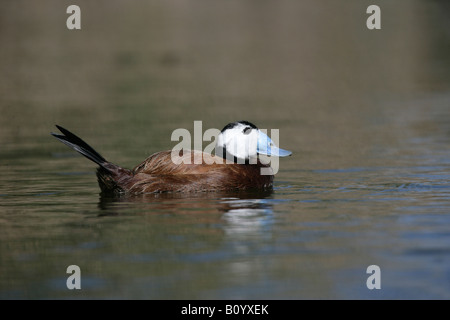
(365, 113)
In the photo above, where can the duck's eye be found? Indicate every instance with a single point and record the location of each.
(247, 130)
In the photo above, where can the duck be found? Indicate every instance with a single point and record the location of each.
(236, 165)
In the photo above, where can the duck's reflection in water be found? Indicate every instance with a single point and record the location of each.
(247, 216)
(239, 213)
(183, 202)
(204, 235)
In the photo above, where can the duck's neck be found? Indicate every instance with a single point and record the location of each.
(228, 157)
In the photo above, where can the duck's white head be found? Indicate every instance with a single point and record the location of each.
(243, 140)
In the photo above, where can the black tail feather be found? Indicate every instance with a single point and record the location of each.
(76, 143)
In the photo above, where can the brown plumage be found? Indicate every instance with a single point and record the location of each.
(158, 173)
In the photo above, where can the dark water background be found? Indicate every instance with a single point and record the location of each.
(366, 114)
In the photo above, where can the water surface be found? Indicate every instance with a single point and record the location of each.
(366, 114)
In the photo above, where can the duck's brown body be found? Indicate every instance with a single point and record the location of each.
(158, 173)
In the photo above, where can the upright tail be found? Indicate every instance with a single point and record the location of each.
(110, 176)
(76, 143)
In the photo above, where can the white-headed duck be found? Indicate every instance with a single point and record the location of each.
(239, 167)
